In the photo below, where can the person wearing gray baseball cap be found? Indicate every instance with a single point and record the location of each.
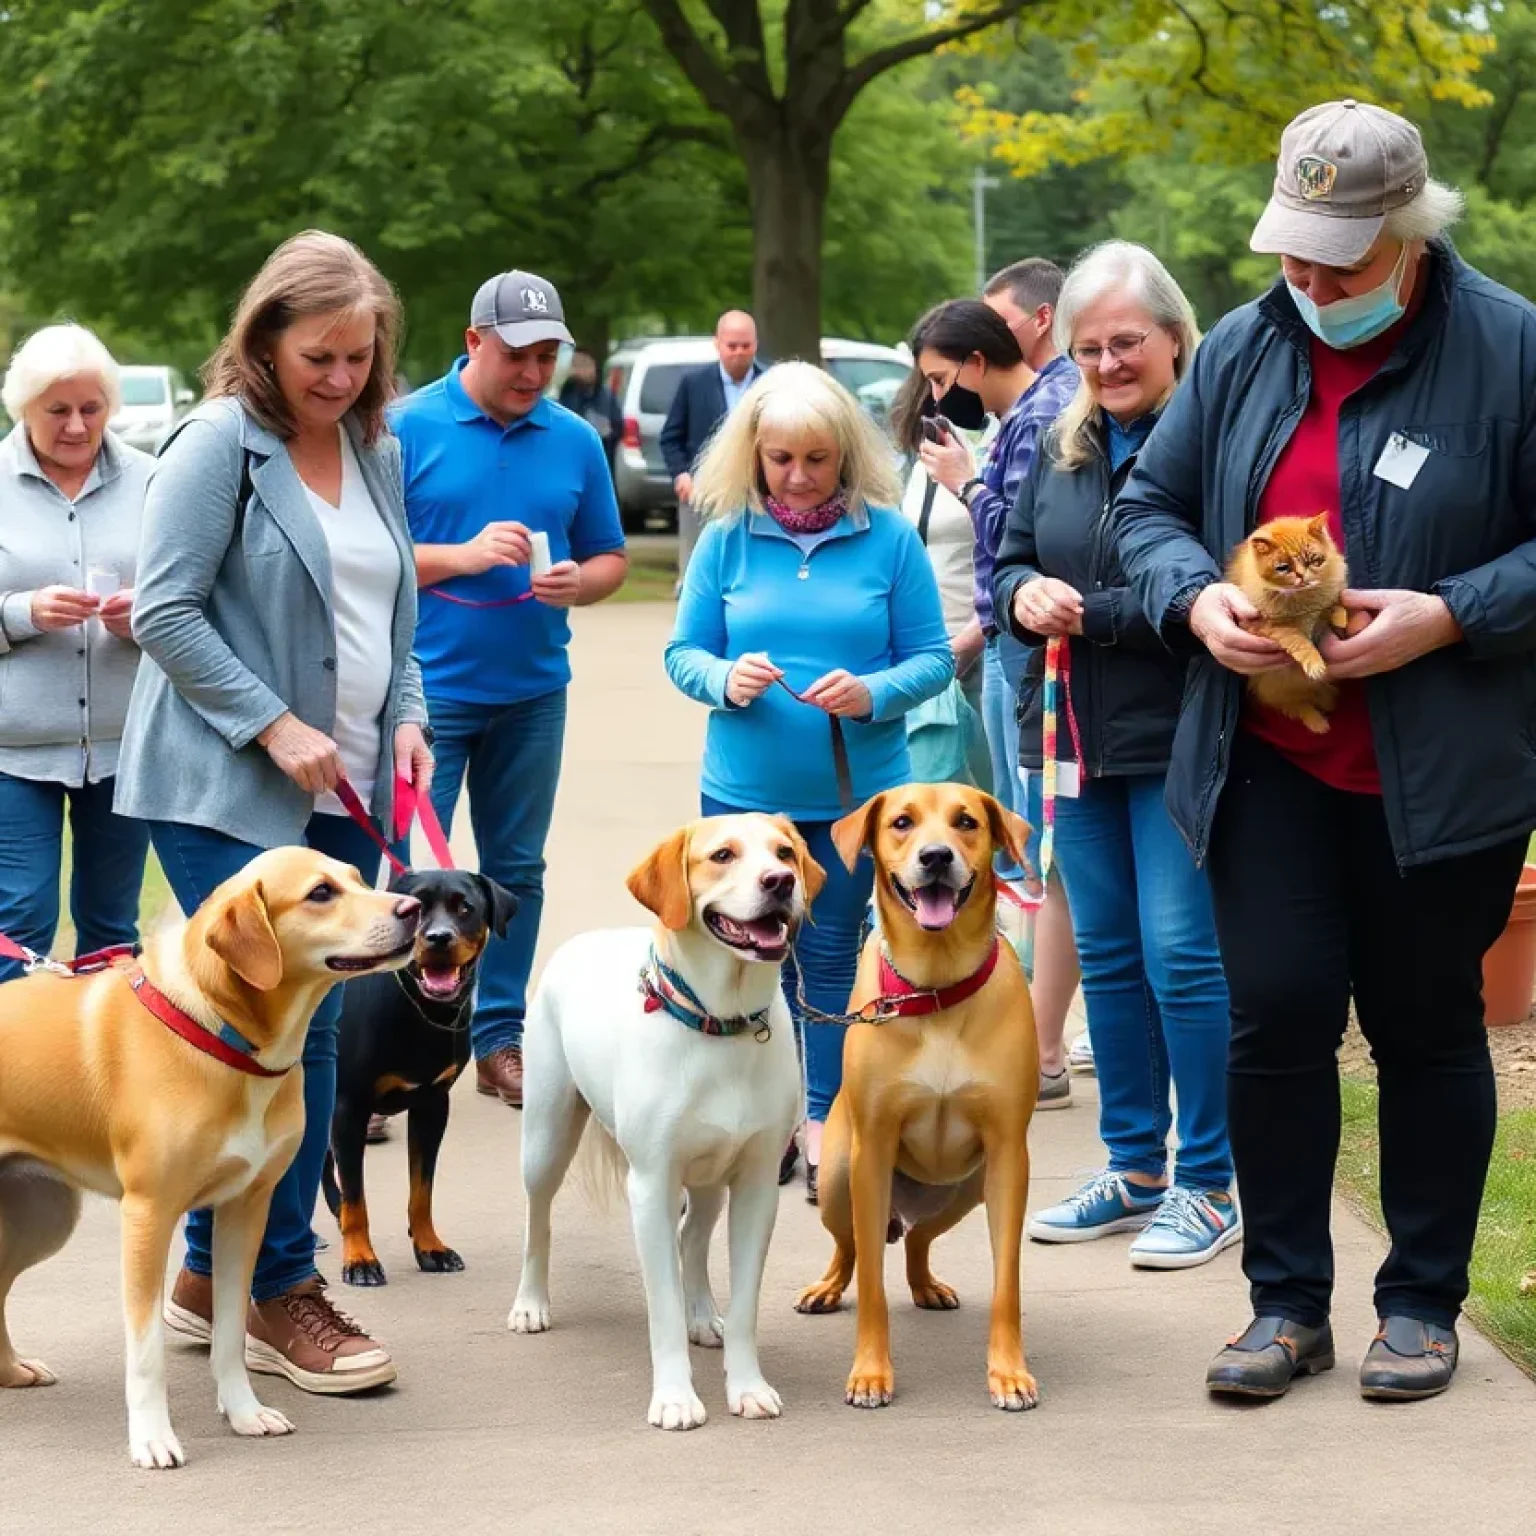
(511, 504)
(1373, 855)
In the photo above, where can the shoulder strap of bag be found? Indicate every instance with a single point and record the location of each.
(930, 495)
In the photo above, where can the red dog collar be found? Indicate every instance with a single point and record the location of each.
(183, 1024)
(900, 998)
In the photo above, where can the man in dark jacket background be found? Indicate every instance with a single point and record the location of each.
(585, 394)
(1387, 383)
(703, 400)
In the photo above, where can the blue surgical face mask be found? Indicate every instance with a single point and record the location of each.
(1350, 322)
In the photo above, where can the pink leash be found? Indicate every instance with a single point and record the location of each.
(409, 807)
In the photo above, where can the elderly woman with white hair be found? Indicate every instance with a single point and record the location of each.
(1385, 382)
(1141, 909)
(71, 496)
(807, 577)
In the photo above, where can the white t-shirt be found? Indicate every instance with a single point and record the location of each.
(365, 581)
(951, 548)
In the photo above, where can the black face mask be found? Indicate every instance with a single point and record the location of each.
(963, 407)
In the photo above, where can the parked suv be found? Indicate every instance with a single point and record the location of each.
(644, 376)
(154, 400)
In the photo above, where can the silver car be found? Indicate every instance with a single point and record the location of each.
(644, 376)
(155, 398)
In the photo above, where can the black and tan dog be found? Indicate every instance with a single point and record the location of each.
(402, 1047)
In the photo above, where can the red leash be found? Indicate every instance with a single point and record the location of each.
(409, 807)
(468, 602)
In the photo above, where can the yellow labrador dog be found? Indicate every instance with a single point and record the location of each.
(171, 1085)
(679, 1044)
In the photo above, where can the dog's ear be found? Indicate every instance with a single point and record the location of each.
(660, 884)
(1010, 832)
(241, 936)
(855, 831)
(812, 876)
(500, 903)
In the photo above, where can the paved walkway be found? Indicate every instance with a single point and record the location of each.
(488, 1432)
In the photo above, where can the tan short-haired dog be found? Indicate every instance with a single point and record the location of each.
(127, 1084)
(933, 1115)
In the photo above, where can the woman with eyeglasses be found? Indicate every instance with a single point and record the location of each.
(1141, 910)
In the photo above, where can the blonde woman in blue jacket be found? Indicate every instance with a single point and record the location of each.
(807, 576)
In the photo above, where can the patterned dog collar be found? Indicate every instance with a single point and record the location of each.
(666, 992)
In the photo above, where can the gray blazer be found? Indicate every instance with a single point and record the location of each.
(233, 614)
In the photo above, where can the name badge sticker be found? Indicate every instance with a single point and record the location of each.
(1069, 784)
(1400, 461)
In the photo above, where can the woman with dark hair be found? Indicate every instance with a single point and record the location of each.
(975, 368)
(276, 611)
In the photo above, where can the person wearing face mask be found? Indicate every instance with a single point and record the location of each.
(1383, 381)
(809, 596)
(975, 367)
(1141, 911)
(71, 500)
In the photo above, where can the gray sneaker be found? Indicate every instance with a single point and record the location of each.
(1055, 1091)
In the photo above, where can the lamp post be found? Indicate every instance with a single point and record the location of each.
(980, 182)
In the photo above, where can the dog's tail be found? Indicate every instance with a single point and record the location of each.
(600, 1170)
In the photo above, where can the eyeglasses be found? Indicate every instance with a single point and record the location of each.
(1120, 348)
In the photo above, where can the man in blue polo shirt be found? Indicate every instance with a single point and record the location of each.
(490, 465)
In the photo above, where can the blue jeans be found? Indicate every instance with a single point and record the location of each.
(196, 860)
(1000, 718)
(1152, 979)
(511, 753)
(108, 853)
(826, 958)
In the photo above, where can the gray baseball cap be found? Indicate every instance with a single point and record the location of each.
(521, 308)
(1343, 167)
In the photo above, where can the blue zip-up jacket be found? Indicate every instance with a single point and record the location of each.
(867, 603)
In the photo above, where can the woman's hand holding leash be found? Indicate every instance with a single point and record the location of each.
(413, 758)
(840, 693)
(1047, 606)
(751, 677)
(309, 757)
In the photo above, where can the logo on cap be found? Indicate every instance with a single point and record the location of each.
(535, 302)
(1315, 177)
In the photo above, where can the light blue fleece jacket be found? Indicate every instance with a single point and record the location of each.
(867, 603)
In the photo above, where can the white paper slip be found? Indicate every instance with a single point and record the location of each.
(1400, 461)
(103, 583)
(1069, 784)
(539, 561)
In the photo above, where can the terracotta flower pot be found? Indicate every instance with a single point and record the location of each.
(1509, 968)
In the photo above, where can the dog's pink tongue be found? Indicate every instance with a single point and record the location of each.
(935, 906)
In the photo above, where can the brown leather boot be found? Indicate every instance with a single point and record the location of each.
(500, 1075)
(303, 1336)
(189, 1311)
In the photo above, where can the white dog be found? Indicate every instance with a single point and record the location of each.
(680, 1044)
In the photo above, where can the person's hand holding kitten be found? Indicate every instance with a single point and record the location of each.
(1387, 629)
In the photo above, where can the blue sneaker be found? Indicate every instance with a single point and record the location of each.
(1105, 1204)
(1192, 1228)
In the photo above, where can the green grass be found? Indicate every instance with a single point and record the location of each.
(652, 575)
(1506, 1230)
(154, 899)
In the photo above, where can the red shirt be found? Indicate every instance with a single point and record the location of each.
(1304, 482)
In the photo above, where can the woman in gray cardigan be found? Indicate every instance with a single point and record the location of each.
(276, 609)
(71, 496)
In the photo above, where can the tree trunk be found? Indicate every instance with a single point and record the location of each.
(787, 180)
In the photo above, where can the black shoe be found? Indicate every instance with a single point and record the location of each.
(812, 1183)
(788, 1162)
(1408, 1359)
(1263, 1360)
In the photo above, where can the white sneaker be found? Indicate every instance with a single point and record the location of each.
(1080, 1057)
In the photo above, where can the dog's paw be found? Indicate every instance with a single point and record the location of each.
(934, 1296)
(870, 1386)
(753, 1400)
(26, 1373)
(364, 1272)
(1315, 668)
(824, 1296)
(257, 1421)
(706, 1327)
(438, 1261)
(154, 1446)
(677, 1410)
(529, 1315)
(1012, 1388)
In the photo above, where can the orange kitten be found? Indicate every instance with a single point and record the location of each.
(1293, 573)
